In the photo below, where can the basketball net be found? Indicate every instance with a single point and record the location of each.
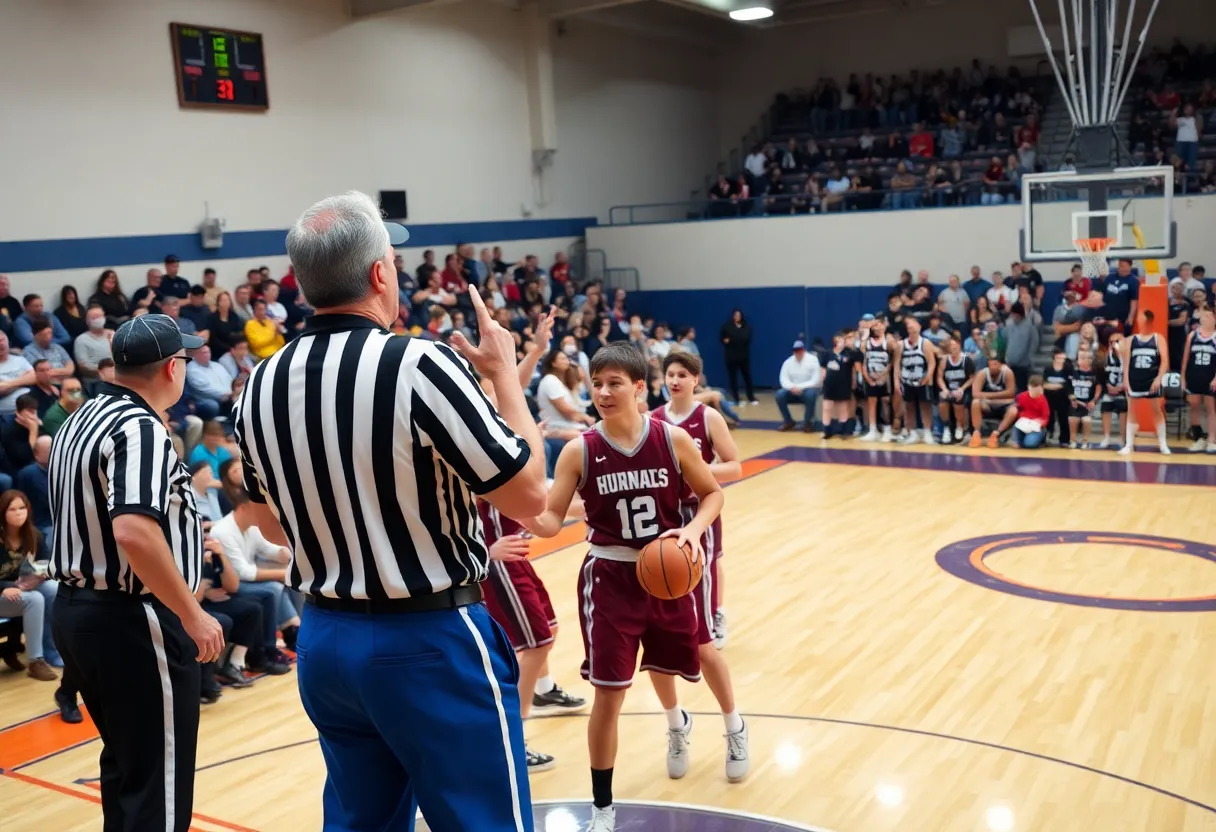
(1093, 255)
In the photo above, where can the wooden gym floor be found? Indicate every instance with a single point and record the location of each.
(934, 639)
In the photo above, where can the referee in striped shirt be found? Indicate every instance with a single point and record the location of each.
(367, 448)
(127, 553)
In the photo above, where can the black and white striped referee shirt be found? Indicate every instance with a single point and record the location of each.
(369, 447)
(114, 456)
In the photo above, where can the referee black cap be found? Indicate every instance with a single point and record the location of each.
(148, 339)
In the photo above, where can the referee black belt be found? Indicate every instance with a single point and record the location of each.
(448, 599)
(76, 594)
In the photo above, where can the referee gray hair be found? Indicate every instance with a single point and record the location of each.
(333, 246)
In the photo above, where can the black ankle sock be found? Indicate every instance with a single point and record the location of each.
(601, 787)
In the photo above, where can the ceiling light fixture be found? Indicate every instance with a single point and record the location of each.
(749, 13)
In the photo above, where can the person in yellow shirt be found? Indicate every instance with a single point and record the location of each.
(262, 333)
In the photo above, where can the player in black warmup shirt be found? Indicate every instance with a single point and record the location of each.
(1113, 398)
(992, 394)
(838, 382)
(954, 375)
(1145, 364)
(1199, 374)
(1055, 389)
(916, 359)
(1082, 388)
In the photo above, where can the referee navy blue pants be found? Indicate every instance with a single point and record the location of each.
(415, 710)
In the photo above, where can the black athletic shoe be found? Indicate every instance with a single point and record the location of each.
(290, 634)
(210, 695)
(69, 711)
(556, 701)
(537, 761)
(278, 664)
(232, 675)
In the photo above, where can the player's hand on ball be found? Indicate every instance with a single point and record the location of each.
(509, 548)
(683, 539)
(495, 352)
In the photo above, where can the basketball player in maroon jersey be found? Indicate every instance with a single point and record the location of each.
(712, 437)
(631, 472)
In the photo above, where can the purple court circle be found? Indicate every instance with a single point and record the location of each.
(573, 816)
(965, 560)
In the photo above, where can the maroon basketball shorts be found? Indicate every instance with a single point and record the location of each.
(706, 594)
(712, 541)
(618, 618)
(518, 601)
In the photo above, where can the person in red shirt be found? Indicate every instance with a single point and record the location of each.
(560, 272)
(452, 280)
(288, 280)
(1034, 413)
(920, 143)
(1078, 283)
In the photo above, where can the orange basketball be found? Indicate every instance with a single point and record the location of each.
(667, 571)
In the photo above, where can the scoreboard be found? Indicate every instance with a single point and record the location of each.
(218, 68)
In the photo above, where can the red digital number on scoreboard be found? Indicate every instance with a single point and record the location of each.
(224, 90)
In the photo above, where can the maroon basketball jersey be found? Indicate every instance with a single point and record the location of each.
(630, 497)
(695, 425)
(496, 523)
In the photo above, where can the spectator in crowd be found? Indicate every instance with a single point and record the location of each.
(172, 306)
(1188, 129)
(92, 346)
(935, 333)
(214, 447)
(23, 327)
(954, 301)
(528, 269)
(994, 183)
(1021, 343)
(1066, 324)
(211, 291)
(210, 385)
(992, 395)
(789, 158)
(1179, 320)
(1033, 414)
(976, 287)
(242, 302)
(262, 333)
(897, 146)
(953, 138)
(809, 200)
(71, 397)
(557, 403)
(9, 307)
(45, 392)
(1002, 295)
(239, 618)
(18, 436)
(231, 480)
(32, 482)
(226, 326)
(209, 494)
(261, 566)
(197, 311)
(426, 267)
(801, 378)
(70, 312)
(775, 200)
(238, 361)
(110, 298)
(920, 142)
(173, 285)
(903, 188)
(736, 338)
(105, 370)
(148, 296)
(16, 375)
(1078, 283)
(838, 185)
(42, 348)
(24, 591)
(275, 310)
(1121, 296)
(1189, 281)
(559, 273)
(756, 164)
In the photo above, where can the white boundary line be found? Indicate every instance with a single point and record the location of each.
(712, 810)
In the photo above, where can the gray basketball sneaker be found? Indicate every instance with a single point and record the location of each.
(677, 748)
(738, 762)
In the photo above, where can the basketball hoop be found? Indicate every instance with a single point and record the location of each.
(1093, 255)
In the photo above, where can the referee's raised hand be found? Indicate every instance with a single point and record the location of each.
(495, 352)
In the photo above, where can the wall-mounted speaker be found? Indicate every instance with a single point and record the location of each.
(394, 206)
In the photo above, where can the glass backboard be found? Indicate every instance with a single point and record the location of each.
(1132, 206)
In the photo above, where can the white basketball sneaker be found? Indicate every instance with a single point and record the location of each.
(1198, 445)
(929, 438)
(886, 434)
(737, 760)
(677, 748)
(870, 436)
(958, 433)
(720, 629)
(1165, 448)
(1126, 450)
(602, 820)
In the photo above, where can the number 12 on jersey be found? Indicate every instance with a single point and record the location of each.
(636, 517)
